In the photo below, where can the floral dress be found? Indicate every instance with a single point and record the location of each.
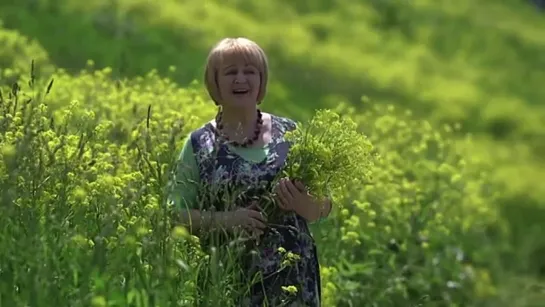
(286, 253)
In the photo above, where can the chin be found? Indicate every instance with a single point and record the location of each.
(244, 103)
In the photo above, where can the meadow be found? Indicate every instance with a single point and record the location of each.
(447, 92)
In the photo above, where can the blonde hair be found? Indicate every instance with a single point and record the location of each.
(235, 49)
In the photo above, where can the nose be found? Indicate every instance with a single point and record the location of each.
(240, 78)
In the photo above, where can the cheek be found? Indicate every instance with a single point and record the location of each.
(224, 86)
(256, 82)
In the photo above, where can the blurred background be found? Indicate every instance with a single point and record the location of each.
(476, 64)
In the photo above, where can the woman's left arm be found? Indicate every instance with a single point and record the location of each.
(295, 197)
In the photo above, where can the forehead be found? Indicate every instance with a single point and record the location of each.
(238, 56)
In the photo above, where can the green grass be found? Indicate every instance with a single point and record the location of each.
(85, 170)
(477, 64)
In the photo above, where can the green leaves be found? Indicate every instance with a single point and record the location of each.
(85, 195)
(415, 227)
(83, 172)
(329, 155)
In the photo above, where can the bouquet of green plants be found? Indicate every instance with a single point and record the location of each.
(329, 155)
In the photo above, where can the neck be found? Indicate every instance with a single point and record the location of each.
(239, 121)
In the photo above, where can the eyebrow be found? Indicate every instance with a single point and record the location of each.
(249, 65)
(225, 69)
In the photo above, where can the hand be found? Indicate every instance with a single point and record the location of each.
(247, 218)
(295, 197)
(292, 196)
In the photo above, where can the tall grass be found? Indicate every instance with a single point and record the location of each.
(85, 166)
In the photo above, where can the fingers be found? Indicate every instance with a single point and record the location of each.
(254, 212)
(256, 224)
(283, 201)
(285, 192)
(254, 220)
(257, 215)
(281, 204)
(253, 206)
(293, 190)
(300, 186)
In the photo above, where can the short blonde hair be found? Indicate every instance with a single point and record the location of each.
(235, 48)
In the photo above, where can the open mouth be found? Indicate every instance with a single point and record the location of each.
(241, 91)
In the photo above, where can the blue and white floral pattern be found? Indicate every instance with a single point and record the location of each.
(286, 253)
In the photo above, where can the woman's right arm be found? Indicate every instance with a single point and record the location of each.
(184, 190)
(183, 195)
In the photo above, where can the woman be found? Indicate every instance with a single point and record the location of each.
(234, 159)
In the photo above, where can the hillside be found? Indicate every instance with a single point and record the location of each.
(479, 64)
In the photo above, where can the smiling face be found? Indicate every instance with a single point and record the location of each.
(236, 73)
(238, 83)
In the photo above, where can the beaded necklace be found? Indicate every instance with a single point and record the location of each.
(247, 141)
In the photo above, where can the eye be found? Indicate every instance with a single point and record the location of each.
(250, 71)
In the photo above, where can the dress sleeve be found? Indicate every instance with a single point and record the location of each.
(291, 124)
(183, 193)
